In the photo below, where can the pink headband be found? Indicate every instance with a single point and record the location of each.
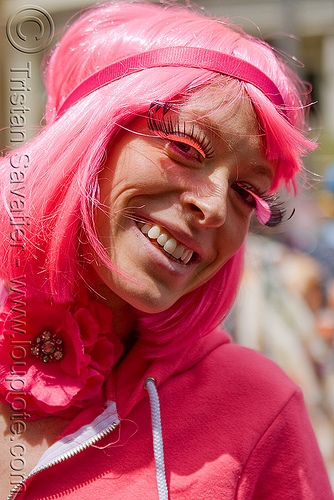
(191, 57)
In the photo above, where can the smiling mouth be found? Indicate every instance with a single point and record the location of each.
(166, 242)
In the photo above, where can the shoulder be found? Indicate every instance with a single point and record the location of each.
(232, 388)
(239, 388)
(248, 371)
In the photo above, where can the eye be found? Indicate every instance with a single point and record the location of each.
(254, 201)
(245, 194)
(185, 150)
(186, 141)
(269, 210)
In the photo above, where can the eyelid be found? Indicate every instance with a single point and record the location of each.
(167, 128)
(187, 140)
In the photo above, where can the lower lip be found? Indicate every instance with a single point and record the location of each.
(158, 255)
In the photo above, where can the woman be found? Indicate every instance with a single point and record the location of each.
(123, 227)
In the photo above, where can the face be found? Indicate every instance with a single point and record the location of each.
(175, 200)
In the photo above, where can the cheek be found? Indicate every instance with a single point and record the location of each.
(231, 239)
(228, 243)
(103, 226)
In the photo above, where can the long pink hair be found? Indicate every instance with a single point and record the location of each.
(61, 182)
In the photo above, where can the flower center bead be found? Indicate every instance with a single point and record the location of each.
(47, 347)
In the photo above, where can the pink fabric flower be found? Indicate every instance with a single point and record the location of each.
(58, 386)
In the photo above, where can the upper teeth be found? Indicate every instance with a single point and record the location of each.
(169, 244)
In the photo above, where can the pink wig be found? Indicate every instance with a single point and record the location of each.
(61, 183)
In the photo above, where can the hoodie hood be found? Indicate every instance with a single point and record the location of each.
(126, 386)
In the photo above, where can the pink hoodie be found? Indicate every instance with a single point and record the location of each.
(234, 426)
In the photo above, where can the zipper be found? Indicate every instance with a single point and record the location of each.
(65, 456)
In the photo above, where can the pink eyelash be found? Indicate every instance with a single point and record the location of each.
(263, 210)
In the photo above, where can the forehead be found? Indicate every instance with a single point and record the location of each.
(224, 106)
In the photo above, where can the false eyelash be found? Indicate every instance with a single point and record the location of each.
(269, 209)
(164, 106)
(166, 127)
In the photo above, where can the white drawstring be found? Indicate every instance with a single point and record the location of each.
(157, 438)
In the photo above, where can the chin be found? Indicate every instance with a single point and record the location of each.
(121, 291)
(152, 305)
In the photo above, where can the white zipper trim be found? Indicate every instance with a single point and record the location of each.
(74, 443)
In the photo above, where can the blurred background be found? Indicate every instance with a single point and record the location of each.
(285, 307)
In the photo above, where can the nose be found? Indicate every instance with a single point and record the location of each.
(208, 207)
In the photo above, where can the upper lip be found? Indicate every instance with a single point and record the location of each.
(181, 236)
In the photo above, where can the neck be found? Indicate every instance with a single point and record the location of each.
(124, 317)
